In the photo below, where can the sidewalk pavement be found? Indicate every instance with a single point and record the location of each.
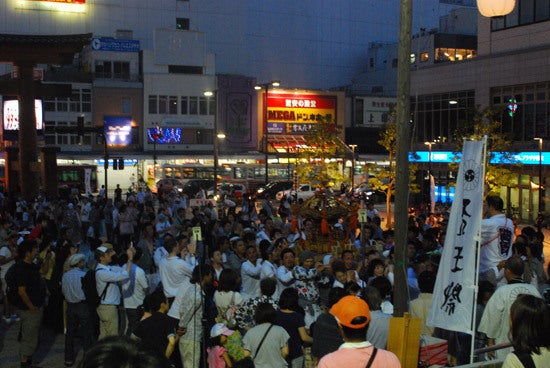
(49, 353)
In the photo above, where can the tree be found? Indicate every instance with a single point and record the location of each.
(384, 180)
(500, 172)
(322, 146)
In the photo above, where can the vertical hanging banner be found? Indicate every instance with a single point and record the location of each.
(455, 287)
(88, 180)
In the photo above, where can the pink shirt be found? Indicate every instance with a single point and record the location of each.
(357, 355)
(215, 359)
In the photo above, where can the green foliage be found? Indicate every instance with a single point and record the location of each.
(485, 123)
(317, 165)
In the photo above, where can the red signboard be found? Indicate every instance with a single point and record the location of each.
(63, 1)
(289, 113)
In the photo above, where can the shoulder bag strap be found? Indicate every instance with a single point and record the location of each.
(261, 342)
(104, 293)
(371, 358)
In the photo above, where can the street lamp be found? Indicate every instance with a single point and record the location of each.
(265, 87)
(540, 172)
(430, 144)
(495, 8)
(215, 138)
(353, 147)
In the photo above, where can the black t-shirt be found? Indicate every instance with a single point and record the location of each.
(291, 322)
(28, 275)
(154, 331)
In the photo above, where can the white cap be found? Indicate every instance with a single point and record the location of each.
(220, 329)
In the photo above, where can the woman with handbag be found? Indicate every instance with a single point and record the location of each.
(266, 343)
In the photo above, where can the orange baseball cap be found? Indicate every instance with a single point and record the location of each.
(350, 307)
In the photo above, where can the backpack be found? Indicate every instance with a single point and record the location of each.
(90, 289)
(11, 286)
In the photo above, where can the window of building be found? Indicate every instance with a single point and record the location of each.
(75, 101)
(193, 105)
(449, 54)
(184, 69)
(371, 62)
(103, 69)
(525, 12)
(203, 107)
(182, 23)
(163, 104)
(153, 104)
(121, 70)
(424, 57)
(173, 105)
(62, 104)
(211, 106)
(126, 105)
(86, 100)
(358, 111)
(184, 105)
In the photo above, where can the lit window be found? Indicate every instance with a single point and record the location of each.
(424, 57)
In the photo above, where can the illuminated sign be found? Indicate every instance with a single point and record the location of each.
(11, 114)
(63, 1)
(525, 158)
(165, 135)
(68, 6)
(118, 130)
(11, 119)
(297, 113)
(115, 44)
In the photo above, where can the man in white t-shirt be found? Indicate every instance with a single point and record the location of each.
(497, 236)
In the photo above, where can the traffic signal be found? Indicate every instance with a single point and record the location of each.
(115, 164)
(121, 164)
(106, 164)
(80, 126)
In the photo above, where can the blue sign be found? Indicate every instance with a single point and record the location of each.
(165, 135)
(276, 128)
(118, 130)
(115, 44)
(525, 158)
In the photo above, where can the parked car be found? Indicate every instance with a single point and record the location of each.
(168, 185)
(304, 192)
(192, 187)
(271, 189)
(228, 189)
(368, 193)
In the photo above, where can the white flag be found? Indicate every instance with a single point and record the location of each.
(454, 293)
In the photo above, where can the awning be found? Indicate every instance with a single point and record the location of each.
(287, 143)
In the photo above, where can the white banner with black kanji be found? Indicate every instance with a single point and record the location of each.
(454, 293)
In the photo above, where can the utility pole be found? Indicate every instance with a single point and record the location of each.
(402, 158)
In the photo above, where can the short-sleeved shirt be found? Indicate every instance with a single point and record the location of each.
(291, 322)
(28, 275)
(357, 355)
(269, 355)
(215, 357)
(154, 331)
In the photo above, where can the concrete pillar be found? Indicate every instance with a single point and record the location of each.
(28, 150)
(48, 156)
(11, 157)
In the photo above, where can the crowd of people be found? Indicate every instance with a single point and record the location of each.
(235, 286)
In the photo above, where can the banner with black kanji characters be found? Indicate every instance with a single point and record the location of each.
(454, 293)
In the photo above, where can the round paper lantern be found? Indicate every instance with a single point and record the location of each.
(495, 8)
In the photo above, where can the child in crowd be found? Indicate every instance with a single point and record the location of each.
(218, 357)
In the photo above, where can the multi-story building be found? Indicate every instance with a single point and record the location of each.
(511, 68)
